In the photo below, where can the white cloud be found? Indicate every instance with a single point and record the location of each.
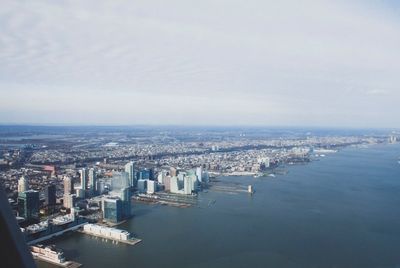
(259, 62)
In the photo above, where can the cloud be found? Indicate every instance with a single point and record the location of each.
(296, 57)
(377, 92)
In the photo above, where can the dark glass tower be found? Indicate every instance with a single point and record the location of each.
(28, 205)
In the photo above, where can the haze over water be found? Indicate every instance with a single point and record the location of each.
(341, 211)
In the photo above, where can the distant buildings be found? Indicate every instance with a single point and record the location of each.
(28, 205)
(392, 139)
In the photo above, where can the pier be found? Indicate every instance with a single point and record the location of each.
(112, 234)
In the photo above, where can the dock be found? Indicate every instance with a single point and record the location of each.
(112, 234)
(131, 241)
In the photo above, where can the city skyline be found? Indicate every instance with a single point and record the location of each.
(318, 63)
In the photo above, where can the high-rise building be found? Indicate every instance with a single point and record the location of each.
(172, 172)
(80, 193)
(112, 209)
(151, 187)
(68, 185)
(142, 186)
(144, 174)
(167, 183)
(130, 169)
(28, 205)
(22, 185)
(120, 180)
(92, 180)
(206, 177)
(199, 174)
(69, 200)
(174, 187)
(151, 174)
(100, 187)
(188, 187)
(161, 176)
(50, 195)
(84, 178)
(126, 202)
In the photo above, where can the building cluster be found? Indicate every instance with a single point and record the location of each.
(92, 172)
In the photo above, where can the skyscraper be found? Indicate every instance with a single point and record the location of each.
(84, 177)
(112, 209)
(130, 169)
(151, 187)
(68, 185)
(69, 200)
(167, 183)
(126, 202)
(50, 195)
(28, 205)
(161, 175)
(142, 186)
(188, 187)
(92, 180)
(174, 187)
(120, 180)
(199, 174)
(172, 172)
(22, 185)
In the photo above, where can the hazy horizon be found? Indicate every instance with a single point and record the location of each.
(328, 64)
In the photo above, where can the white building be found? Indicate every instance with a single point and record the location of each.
(130, 169)
(108, 232)
(189, 183)
(92, 179)
(69, 200)
(68, 185)
(22, 185)
(199, 174)
(84, 175)
(151, 187)
(174, 187)
(161, 176)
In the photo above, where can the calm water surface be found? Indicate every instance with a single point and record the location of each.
(341, 211)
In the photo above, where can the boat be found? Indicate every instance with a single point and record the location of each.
(48, 253)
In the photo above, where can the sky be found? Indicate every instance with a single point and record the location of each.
(209, 62)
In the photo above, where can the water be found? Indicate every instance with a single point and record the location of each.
(342, 211)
